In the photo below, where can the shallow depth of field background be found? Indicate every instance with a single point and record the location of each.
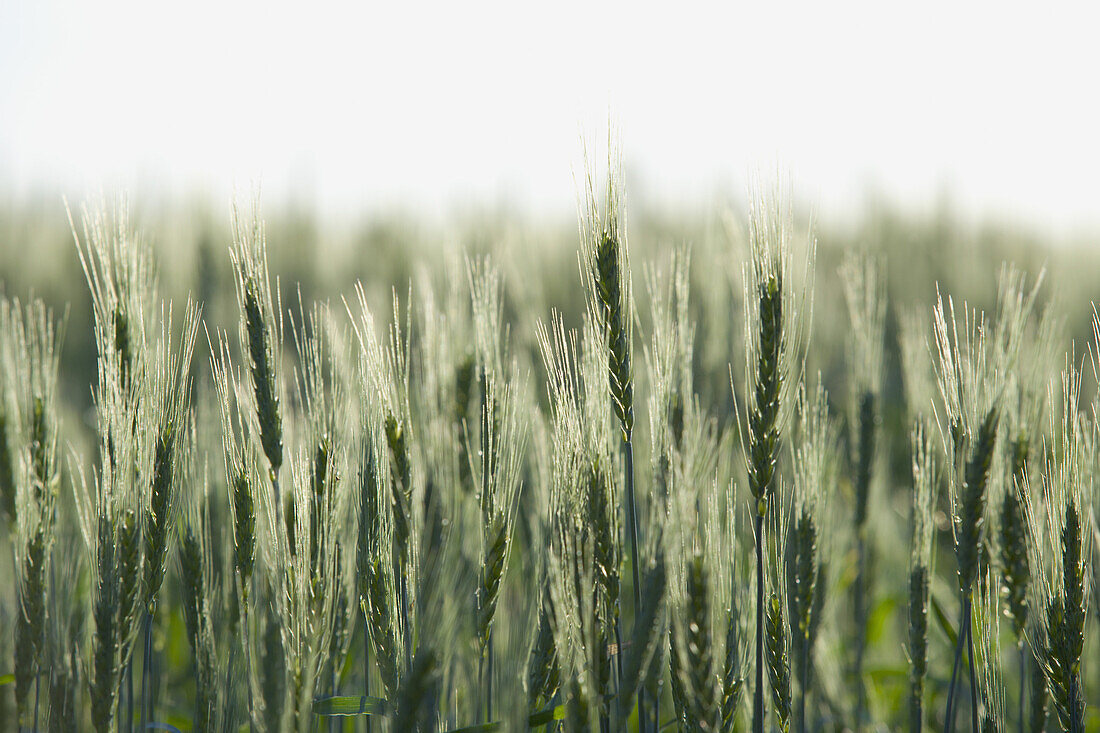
(950, 137)
(387, 143)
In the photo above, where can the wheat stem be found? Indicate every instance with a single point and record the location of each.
(964, 625)
(918, 644)
(758, 693)
(632, 534)
(366, 661)
(146, 656)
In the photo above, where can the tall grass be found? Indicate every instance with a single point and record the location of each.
(460, 503)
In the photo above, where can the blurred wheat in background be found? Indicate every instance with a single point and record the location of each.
(711, 472)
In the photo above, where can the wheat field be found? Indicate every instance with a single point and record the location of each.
(713, 472)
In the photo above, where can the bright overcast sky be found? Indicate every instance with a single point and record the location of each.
(436, 105)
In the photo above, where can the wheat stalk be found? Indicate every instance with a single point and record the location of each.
(813, 446)
(920, 571)
(775, 322)
(195, 572)
(605, 267)
(29, 349)
(971, 364)
(778, 663)
(260, 333)
(1062, 590)
(865, 295)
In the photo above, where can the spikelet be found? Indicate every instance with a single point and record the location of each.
(320, 391)
(778, 299)
(696, 554)
(66, 616)
(30, 628)
(129, 561)
(970, 521)
(865, 295)
(106, 664)
(1024, 408)
(669, 365)
(385, 466)
(1061, 547)
(117, 265)
(196, 578)
(29, 347)
(1015, 567)
(503, 436)
(579, 446)
(543, 674)
(305, 601)
(917, 643)
(384, 375)
(971, 365)
(778, 304)
(735, 660)
(1025, 404)
(775, 636)
(238, 465)
(987, 615)
(812, 450)
(605, 268)
(383, 638)
(463, 392)
(174, 432)
(377, 589)
(925, 480)
(492, 568)
(697, 645)
(579, 632)
(261, 331)
(30, 343)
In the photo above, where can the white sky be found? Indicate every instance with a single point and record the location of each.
(433, 105)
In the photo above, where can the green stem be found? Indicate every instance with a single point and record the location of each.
(146, 659)
(758, 693)
(973, 681)
(489, 677)
(366, 663)
(964, 623)
(246, 644)
(632, 536)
